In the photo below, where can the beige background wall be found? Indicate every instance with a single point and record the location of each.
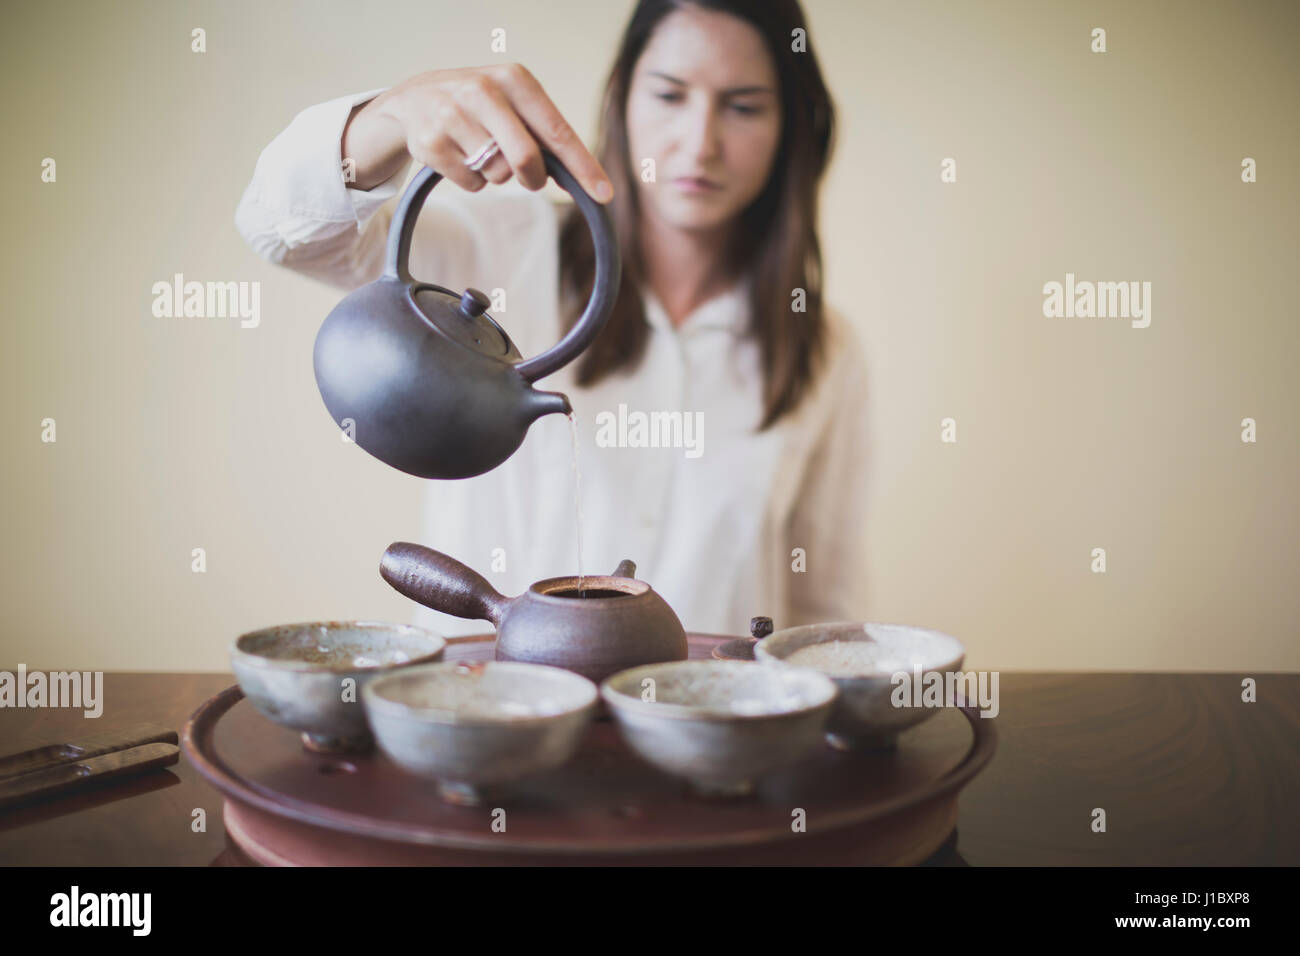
(1072, 433)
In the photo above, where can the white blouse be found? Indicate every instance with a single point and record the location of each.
(713, 526)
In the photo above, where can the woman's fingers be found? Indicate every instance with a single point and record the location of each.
(549, 127)
(436, 142)
(450, 115)
(500, 123)
(468, 138)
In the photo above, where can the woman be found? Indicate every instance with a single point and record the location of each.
(716, 130)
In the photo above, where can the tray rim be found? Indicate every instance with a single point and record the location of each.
(200, 727)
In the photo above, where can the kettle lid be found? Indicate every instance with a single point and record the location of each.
(463, 318)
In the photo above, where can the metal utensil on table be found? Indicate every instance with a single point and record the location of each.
(56, 769)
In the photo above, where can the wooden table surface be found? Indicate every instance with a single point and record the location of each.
(1186, 772)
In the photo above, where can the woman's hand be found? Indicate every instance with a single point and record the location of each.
(442, 117)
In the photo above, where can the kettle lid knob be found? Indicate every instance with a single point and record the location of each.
(473, 303)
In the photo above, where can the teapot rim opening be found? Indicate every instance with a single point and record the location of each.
(552, 588)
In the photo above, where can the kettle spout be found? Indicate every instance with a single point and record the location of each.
(548, 403)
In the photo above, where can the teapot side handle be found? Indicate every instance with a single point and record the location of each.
(441, 582)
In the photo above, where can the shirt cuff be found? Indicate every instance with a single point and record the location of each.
(365, 202)
(300, 174)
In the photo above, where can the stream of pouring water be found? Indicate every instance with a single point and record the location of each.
(577, 495)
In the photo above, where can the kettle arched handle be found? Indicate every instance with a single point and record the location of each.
(398, 257)
(608, 262)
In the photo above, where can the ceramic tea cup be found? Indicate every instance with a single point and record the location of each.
(862, 660)
(719, 724)
(473, 727)
(310, 676)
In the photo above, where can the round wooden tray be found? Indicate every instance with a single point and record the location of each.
(288, 806)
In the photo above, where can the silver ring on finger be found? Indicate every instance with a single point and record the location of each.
(483, 156)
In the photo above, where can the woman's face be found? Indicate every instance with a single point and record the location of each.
(704, 104)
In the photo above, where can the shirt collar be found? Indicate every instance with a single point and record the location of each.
(728, 311)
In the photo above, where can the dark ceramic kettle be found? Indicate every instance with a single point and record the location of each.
(620, 623)
(424, 379)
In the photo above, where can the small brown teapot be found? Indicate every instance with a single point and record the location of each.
(613, 623)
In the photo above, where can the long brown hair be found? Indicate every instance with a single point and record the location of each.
(776, 235)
